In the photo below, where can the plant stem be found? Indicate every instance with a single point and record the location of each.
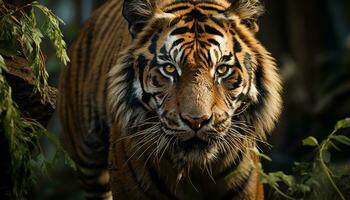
(283, 194)
(325, 168)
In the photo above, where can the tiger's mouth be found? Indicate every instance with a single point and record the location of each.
(195, 150)
(196, 147)
(194, 143)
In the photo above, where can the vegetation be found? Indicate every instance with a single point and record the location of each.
(313, 180)
(21, 36)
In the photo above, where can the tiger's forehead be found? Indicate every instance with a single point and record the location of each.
(196, 37)
(184, 8)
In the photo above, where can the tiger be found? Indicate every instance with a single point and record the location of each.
(169, 99)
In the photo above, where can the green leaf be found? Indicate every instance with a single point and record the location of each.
(261, 155)
(326, 156)
(287, 179)
(342, 139)
(2, 63)
(52, 30)
(310, 141)
(273, 178)
(265, 157)
(334, 146)
(303, 188)
(345, 123)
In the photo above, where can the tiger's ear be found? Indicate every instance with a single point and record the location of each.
(248, 11)
(137, 13)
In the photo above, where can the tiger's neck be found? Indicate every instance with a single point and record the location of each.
(138, 176)
(234, 179)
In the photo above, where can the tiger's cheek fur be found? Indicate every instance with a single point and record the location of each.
(156, 85)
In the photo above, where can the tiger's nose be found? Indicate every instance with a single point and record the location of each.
(195, 123)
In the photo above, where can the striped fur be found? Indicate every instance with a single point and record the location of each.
(177, 113)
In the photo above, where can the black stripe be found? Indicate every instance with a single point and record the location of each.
(153, 46)
(188, 18)
(164, 57)
(142, 63)
(156, 82)
(260, 86)
(88, 49)
(198, 15)
(175, 43)
(212, 30)
(180, 31)
(184, 45)
(162, 50)
(81, 68)
(110, 16)
(237, 63)
(174, 21)
(130, 96)
(236, 84)
(184, 56)
(176, 53)
(217, 22)
(226, 58)
(213, 41)
(259, 77)
(232, 32)
(159, 183)
(79, 82)
(199, 29)
(147, 35)
(237, 47)
(164, 54)
(178, 8)
(146, 97)
(211, 9)
(203, 56)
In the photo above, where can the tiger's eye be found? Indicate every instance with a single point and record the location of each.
(169, 69)
(222, 70)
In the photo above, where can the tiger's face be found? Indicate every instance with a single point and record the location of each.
(195, 81)
(199, 69)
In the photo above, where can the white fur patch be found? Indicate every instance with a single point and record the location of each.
(222, 16)
(164, 15)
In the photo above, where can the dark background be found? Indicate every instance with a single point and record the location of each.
(311, 43)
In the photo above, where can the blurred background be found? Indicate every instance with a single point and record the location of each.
(311, 43)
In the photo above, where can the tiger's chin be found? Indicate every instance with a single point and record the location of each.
(195, 152)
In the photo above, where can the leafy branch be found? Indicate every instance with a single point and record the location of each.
(323, 153)
(21, 37)
(296, 185)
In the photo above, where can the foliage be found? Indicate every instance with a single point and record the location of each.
(310, 177)
(20, 35)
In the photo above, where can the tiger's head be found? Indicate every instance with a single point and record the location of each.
(195, 78)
